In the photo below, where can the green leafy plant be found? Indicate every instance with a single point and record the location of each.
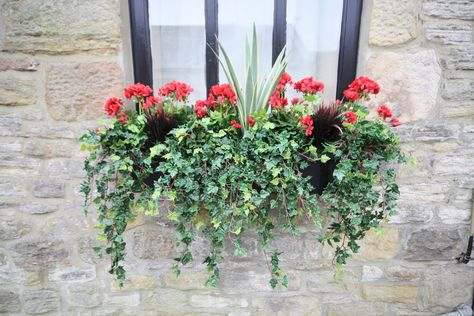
(236, 163)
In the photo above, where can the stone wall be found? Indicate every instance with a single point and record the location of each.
(59, 60)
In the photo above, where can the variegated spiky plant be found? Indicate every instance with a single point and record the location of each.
(255, 92)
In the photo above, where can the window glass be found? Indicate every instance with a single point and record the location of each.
(178, 39)
(313, 34)
(236, 19)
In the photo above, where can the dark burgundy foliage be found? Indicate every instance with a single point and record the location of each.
(327, 124)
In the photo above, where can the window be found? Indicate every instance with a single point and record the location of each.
(173, 40)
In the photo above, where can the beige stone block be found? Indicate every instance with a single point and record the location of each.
(61, 27)
(135, 282)
(187, 280)
(404, 294)
(393, 22)
(78, 91)
(18, 63)
(16, 91)
(409, 82)
(287, 306)
(379, 247)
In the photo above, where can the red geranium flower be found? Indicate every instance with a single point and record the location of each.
(365, 85)
(112, 106)
(200, 108)
(294, 101)
(350, 116)
(178, 90)
(137, 90)
(223, 92)
(123, 118)
(308, 86)
(235, 124)
(384, 112)
(395, 122)
(308, 123)
(251, 121)
(278, 103)
(150, 101)
(351, 94)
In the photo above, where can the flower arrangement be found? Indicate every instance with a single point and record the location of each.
(237, 161)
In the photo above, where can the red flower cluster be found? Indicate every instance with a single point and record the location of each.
(350, 116)
(235, 124)
(201, 108)
(361, 85)
(308, 123)
(123, 118)
(384, 112)
(112, 106)
(251, 121)
(278, 100)
(294, 101)
(308, 86)
(150, 101)
(137, 90)
(176, 89)
(395, 122)
(222, 92)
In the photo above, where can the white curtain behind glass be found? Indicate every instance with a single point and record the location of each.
(313, 34)
(236, 19)
(178, 43)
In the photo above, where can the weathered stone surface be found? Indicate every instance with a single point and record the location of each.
(324, 284)
(153, 243)
(16, 91)
(361, 308)
(371, 273)
(454, 215)
(458, 89)
(37, 149)
(33, 208)
(460, 57)
(168, 300)
(401, 273)
(187, 280)
(41, 301)
(132, 299)
(393, 22)
(455, 163)
(382, 247)
(39, 252)
(9, 301)
(459, 110)
(78, 91)
(73, 274)
(11, 228)
(61, 27)
(84, 295)
(448, 286)
(10, 124)
(434, 243)
(430, 192)
(135, 282)
(66, 169)
(448, 34)
(286, 306)
(18, 63)
(449, 9)
(412, 213)
(214, 301)
(405, 294)
(48, 189)
(414, 79)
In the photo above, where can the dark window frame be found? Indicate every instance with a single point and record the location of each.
(141, 40)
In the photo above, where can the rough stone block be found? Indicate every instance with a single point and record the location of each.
(458, 89)
(404, 294)
(402, 273)
(455, 163)
(330, 290)
(371, 273)
(448, 34)
(73, 274)
(135, 282)
(433, 244)
(168, 300)
(132, 299)
(460, 57)
(41, 301)
(154, 243)
(393, 22)
(16, 91)
(33, 208)
(459, 110)
(84, 295)
(187, 280)
(448, 286)
(214, 301)
(9, 301)
(454, 215)
(18, 63)
(382, 247)
(48, 189)
(414, 79)
(10, 124)
(78, 91)
(285, 306)
(11, 228)
(412, 213)
(361, 308)
(449, 9)
(61, 27)
(39, 252)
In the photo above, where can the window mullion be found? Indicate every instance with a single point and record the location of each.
(212, 30)
(279, 28)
